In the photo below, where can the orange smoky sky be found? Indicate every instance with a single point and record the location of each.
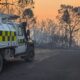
(48, 8)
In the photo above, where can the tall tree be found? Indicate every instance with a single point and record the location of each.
(23, 8)
(70, 20)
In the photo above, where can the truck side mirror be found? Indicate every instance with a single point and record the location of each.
(24, 24)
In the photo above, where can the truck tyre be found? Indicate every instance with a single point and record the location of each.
(1, 62)
(31, 54)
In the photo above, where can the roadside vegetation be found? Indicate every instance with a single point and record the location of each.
(64, 33)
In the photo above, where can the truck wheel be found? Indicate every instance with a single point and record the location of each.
(30, 56)
(1, 62)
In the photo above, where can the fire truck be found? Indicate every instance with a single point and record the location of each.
(14, 43)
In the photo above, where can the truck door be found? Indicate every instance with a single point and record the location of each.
(21, 41)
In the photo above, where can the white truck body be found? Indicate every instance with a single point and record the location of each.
(12, 43)
(12, 28)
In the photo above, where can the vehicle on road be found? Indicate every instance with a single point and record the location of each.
(14, 43)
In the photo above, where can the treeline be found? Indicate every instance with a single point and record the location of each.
(63, 33)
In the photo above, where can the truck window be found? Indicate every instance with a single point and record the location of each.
(20, 32)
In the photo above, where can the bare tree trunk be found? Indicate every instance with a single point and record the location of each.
(70, 40)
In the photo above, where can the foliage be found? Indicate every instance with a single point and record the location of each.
(22, 8)
(25, 7)
(28, 12)
(69, 20)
